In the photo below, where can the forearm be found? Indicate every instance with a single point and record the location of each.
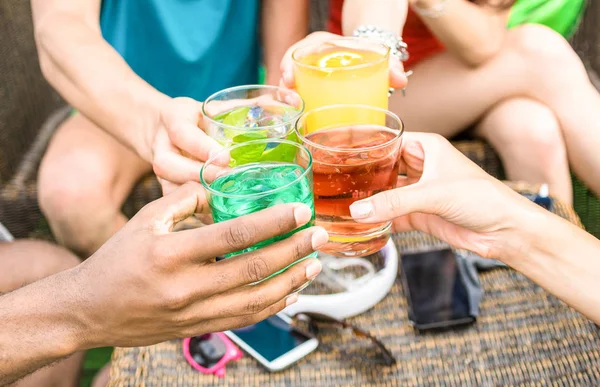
(40, 325)
(473, 33)
(560, 257)
(284, 22)
(389, 15)
(95, 80)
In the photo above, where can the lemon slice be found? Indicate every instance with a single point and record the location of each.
(340, 59)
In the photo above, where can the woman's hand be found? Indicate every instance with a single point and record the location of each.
(398, 78)
(446, 195)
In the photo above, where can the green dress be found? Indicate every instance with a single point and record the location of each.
(563, 16)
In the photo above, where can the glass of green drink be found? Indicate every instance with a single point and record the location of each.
(252, 112)
(282, 175)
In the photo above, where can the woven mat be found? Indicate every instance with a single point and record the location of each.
(524, 336)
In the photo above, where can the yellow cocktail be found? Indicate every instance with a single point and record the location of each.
(343, 71)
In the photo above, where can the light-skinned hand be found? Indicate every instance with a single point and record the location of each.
(398, 78)
(445, 194)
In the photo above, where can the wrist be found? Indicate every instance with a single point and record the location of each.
(523, 240)
(43, 320)
(145, 119)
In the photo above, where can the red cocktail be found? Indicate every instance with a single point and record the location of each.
(354, 157)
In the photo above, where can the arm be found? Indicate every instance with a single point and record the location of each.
(284, 22)
(389, 15)
(141, 287)
(40, 325)
(474, 33)
(453, 199)
(91, 75)
(560, 257)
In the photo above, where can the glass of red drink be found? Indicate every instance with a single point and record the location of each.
(356, 154)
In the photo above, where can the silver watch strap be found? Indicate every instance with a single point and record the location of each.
(397, 46)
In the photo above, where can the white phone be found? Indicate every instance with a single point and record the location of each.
(274, 342)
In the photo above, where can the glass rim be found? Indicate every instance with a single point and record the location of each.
(251, 87)
(358, 106)
(206, 185)
(384, 57)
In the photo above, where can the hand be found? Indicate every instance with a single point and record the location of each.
(446, 195)
(398, 78)
(148, 284)
(180, 144)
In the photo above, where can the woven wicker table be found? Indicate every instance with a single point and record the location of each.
(523, 336)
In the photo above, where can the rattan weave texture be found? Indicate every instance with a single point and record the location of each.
(524, 336)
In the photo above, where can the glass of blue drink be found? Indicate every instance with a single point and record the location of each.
(252, 112)
(266, 172)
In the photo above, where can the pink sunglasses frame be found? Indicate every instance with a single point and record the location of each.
(232, 352)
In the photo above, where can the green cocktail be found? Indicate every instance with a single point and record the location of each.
(251, 186)
(255, 112)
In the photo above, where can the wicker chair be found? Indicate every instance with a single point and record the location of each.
(30, 112)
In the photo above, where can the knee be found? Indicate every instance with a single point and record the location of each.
(71, 186)
(542, 49)
(49, 258)
(540, 135)
(27, 261)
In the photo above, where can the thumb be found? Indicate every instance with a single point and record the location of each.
(398, 78)
(420, 197)
(162, 214)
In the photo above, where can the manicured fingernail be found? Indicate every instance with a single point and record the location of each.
(361, 210)
(302, 214)
(291, 299)
(313, 269)
(319, 238)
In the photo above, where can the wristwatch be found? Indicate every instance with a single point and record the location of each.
(397, 46)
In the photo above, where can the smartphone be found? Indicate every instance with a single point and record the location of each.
(274, 342)
(435, 290)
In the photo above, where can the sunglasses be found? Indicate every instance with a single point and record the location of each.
(314, 321)
(210, 353)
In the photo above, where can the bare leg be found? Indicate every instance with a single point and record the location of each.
(527, 136)
(445, 97)
(21, 263)
(84, 179)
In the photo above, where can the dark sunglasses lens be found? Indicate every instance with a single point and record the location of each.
(207, 350)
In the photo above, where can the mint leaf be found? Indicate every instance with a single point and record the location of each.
(246, 154)
(236, 117)
(249, 136)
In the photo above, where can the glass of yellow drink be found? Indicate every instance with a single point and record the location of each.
(343, 71)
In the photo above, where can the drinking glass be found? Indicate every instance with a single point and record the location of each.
(343, 71)
(351, 161)
(251, 112)
(252, 186)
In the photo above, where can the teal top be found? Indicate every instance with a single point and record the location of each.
(189, 48)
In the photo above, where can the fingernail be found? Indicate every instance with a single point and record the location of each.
(361, 210)
(313, 269)
(302, 214)
(319, 238)
(291, 299)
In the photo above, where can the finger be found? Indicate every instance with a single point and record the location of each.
(240, 233)
(421, 197)
(219, 325)
(398, 78)
(287, 73)
(162, 214)
(287, 68)
(259, 264)
(177, 169)
(189, 137)
(254, 299)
